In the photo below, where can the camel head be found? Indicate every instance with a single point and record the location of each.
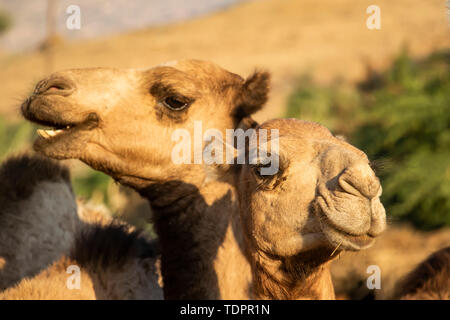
(120, 121)
(323, 196)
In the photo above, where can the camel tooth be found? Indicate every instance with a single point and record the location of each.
(43, 133)
(51, 133)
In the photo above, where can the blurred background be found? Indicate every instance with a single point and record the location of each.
(386, 90)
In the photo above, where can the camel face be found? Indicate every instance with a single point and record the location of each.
(121, 121)
(324, 195)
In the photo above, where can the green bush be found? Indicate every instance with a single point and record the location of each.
(5, 21)
(92, 185)
(14, 136)
(402, 118)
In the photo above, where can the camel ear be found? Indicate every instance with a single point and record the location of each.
(253, 94)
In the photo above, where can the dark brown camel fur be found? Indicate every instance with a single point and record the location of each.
(430, 280)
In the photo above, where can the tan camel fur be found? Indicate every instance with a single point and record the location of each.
(114, 261)
(121, 122)
(430, 280)
(51, 284)
(323, 199)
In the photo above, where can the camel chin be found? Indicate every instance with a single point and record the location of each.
(342, 241)
(57, 147)
(351, 227)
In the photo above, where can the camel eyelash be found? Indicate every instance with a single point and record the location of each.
(162, 91)
(257, 169)
(269, 182)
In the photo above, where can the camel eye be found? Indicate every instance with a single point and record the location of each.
(257, 169)
(175, 103)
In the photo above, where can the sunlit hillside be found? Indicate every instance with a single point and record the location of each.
(328, 38)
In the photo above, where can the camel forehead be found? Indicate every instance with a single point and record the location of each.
(99, 76)
(298, 128)
(172, 63)
(294, 132)
(202, 71)
(193, 65)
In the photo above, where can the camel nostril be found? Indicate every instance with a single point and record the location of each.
(360, 180)
(55, 86)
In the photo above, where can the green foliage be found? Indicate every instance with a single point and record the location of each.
(333, 106)
(92, 185)
(408, 121)
(402, 118)
(14, 136)
(5, 21)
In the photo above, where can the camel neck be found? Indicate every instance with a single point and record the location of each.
(293, 278)
(200, 239)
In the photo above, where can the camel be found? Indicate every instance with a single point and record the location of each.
(197, 215)
(38, 216)
(43, 224)
(430, 280)
(114, 262)
(120, 121)
(51, 284)
(324, 199)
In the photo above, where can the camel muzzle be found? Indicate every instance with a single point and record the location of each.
(349, 207)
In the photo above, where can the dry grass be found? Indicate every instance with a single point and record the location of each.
(328, 37)
(396, 252)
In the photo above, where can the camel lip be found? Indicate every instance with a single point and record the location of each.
(361, 242)
(54, 130)
(41, 110)
(59, 130)
(341, 238)
(345, 241)
(65, 143)
(53, 125)
(56, 122)
(44, 119)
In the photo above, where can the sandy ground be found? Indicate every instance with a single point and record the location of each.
(327, 38)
